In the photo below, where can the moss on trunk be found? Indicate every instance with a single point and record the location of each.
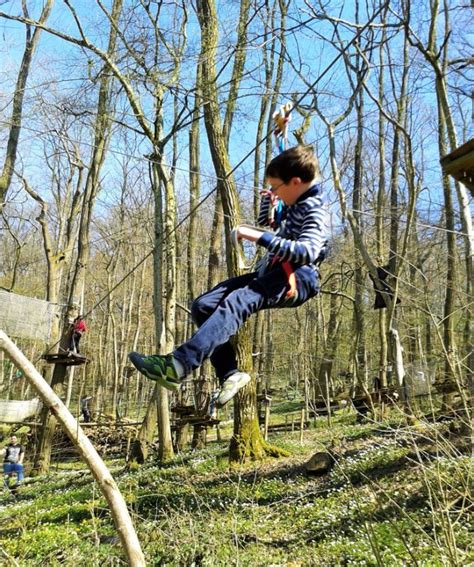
(247, 441)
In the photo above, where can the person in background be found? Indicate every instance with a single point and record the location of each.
(86, 412)
(13, 455)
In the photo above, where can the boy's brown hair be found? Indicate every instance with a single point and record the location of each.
(299, 161)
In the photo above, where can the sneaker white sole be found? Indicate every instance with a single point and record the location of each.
(231, 386)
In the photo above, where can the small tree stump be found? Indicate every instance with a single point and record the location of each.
(320, 463)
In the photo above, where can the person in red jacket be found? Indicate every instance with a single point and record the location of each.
(79, 328)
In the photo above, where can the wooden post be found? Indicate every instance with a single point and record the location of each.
(302, 426)
(70, 382)
(266, 421)
(118, 508)
(328, 400)
(292, 423)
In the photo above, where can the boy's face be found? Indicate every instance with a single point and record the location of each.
(288, 192)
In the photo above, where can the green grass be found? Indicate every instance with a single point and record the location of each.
(378, 506)
(288, 406)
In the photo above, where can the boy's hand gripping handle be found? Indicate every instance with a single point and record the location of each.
(237, 234)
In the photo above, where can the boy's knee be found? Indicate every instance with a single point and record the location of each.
(200, 311)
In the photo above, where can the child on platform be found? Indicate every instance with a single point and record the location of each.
(78, 329)
(288, 277)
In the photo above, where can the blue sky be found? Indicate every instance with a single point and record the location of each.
(59, 69)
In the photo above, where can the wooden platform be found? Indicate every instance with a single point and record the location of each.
(460, 164)
(183, 410)
(65, 358)
(206, 420)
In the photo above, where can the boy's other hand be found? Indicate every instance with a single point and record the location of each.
(248, 233)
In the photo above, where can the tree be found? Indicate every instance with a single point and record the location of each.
(92, 184)
(247, 440)
(32, 39)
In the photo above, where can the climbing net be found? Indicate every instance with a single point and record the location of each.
(26, 317)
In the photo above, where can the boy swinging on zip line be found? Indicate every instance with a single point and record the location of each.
(287, 276)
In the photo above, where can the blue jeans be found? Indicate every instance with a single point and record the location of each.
(220, 312)
(17, 468)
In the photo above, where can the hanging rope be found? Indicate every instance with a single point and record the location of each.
(281, 119)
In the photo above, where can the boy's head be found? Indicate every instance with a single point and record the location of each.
(291, 173)
(299, 161)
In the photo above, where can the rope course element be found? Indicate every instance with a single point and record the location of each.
(15, 411)
(26, 317)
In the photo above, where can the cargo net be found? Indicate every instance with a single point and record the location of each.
(15, 411)
(26, 317)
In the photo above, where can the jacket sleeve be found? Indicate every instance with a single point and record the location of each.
(311, 241)
(267, 214)
(264, 211)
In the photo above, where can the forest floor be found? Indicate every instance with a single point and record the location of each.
(397, 495)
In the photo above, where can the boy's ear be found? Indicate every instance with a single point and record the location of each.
(295, 181)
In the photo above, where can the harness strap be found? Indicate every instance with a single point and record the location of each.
(290, 277)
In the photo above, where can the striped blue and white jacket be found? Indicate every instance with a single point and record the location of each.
(302, 235)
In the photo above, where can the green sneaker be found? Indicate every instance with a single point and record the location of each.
(158, 368)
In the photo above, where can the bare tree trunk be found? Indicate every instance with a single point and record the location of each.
(437, 57)
(383, 355)
(194, 188)
(360, 353)
(329, 353)
(247, 440)
(101, 136)
(17, 111)
(165, 449)
(238, 67)
(162, 339)
(140, 446)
